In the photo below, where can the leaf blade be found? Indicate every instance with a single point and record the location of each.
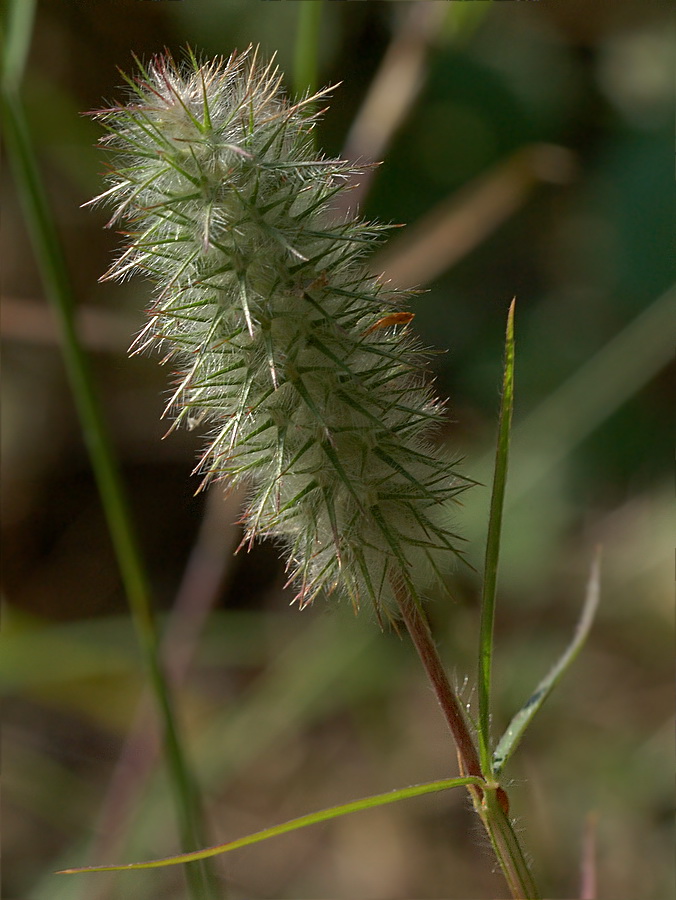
(490, 578)
(323, 815)
(520, 721)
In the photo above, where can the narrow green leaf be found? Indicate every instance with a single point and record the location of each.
(523, 717)
(493, 548)
(20, 15)
(323, 815)
(306, 51)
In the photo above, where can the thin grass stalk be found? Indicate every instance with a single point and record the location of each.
(201, 878)
(306, 55)
(19, 20)
(203, 577)
(491, 801)
(493, 552)
(322, 815)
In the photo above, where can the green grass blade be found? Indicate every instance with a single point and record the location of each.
(524, 716)
(493, 548)
(54, 271)
(305, 68)
(292, 825)
(18, 31)
(589, 396)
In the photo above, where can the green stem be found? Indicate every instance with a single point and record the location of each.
(490, 800)
(17, 39)
(506, 846)
(305, 66)
(45, 240)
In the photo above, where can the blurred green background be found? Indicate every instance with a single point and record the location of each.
(532, 159)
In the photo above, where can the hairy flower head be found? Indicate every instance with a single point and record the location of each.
(297, 360)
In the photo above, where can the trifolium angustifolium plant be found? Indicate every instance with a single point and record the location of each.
(297, 361)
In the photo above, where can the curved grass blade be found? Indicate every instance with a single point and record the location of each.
(322, 815)
(493, 548)
(523, 717)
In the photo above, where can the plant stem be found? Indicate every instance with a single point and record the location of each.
(307, 47)
(201, 880)
(419, 630)
(17, 39)
(507, 847)
(490, 801)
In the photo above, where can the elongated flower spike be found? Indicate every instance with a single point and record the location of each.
(300, 362)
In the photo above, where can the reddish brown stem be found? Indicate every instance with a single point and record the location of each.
(420, 633)
(494, 817)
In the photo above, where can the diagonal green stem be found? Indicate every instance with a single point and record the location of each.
(201, 879)
(323, 815)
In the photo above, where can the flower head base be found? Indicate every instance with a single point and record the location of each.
(298, 360)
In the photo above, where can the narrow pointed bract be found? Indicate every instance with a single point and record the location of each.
(298, 361)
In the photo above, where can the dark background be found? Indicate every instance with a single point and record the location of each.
(286, 712)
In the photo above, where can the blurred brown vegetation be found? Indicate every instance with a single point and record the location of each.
(527, 146)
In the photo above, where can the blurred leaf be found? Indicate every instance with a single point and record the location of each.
(516, 728)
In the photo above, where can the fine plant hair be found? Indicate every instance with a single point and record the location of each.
(298, 362)
(301, 367)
